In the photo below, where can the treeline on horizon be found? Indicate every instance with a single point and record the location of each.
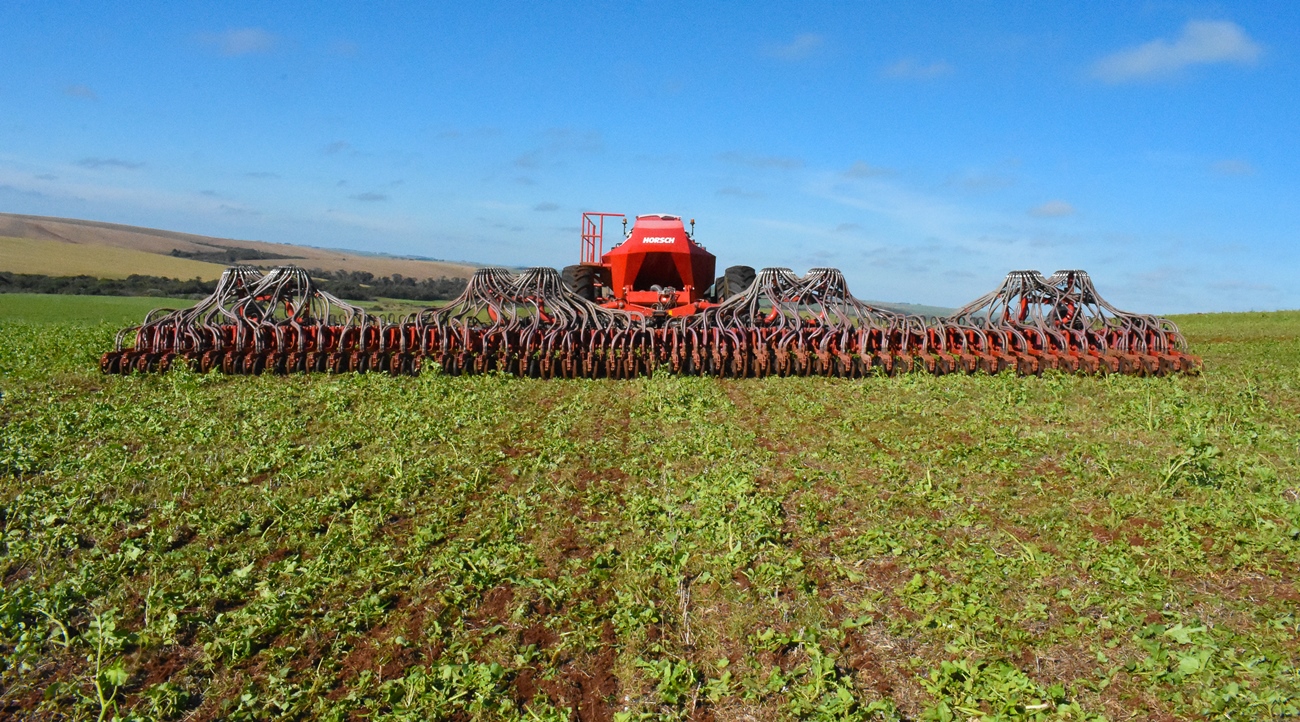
(352, 285)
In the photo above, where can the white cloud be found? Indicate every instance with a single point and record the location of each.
(1202, 42)
(862, 169)
(81, 91)
(241, 41)
(89, 189)
(95, 163)
(909, 69)
(982, 182)
(737, 192)
(1233, 166)
(760, 161)
(921, 214)
(803, 46)
(1052, 209)
(572, 140)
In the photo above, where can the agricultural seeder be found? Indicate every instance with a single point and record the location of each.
(651, 303)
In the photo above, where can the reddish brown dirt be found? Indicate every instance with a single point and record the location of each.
(1101, 533)
(1026, 536)
(1063, 664)
(61, 667)
(379, 651)
(584, 685)
(586, 476)
(741, 580)
(572, 546)
(180, 536)
(862, 659)
(495, 606)
(276, 556)
(539, 636)
(16, 573)
(158, 666)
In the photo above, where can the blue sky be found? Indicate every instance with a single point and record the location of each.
(924, 148)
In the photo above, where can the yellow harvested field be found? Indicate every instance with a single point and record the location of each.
(60, 258)
(328, 260)
(157, 244)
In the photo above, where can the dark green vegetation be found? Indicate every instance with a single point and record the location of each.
(134, 285)
(190, 547)
(365, 286)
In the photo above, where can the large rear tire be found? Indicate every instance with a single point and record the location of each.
(604, 279)
(582, 279)
(735, 280)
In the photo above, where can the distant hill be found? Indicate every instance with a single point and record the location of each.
(915, 309)
(70, 247)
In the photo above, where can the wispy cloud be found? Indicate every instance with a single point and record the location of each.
(77, 90)
(1239, 285)
(982, 182)
(909, 212)
(760, 161)
(337, 146)
(1052, 209)
(735, 192)
(369, 197)
(572, 140)
(910, 69)
(545, 207)
(241, 41)
(861, 169)
(118, 191)
(480, 132)
(8, 188)
(803, 46)
(96, 163)
(1233, 166)
(230, 210)
(1202, 42)
(558, 144)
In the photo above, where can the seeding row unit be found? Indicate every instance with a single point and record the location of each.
(534, 324)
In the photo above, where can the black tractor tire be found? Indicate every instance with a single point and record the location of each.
(735, 280)
(716, 291)
(604, 282)
(582, 279)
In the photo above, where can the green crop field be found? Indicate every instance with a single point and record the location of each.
(51, 308)
(127, 310)
(190, 547)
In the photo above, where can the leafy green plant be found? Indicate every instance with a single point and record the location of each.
(325, 547)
